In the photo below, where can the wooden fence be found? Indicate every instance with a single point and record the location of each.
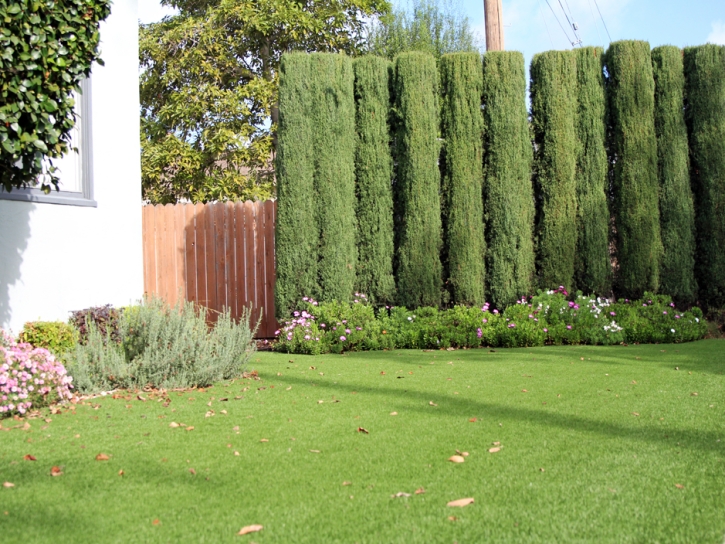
(217, 255)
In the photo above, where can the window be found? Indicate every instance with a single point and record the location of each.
(75, 169)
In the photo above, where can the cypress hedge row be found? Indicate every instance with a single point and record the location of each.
(373, 170)
(634, 154)
(297, 234)
(462, 131)
(418, 264)
(333, 117)
(677, 215)
(553, 110)
(508, 193)
(705, 111)
(592, 263)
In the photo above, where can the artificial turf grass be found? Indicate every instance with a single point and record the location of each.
(608, 475)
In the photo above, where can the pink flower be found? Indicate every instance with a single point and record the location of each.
(322, 325)
(568, 327)
(512, 325)
(479, 333)
(342, 338)
(546, 330)
(347, 331)
(612, 313)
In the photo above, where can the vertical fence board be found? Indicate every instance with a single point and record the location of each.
(250, 246)
(240, 285)
(259, 264)
(200, 233)
(149, 262)
(179, 252)
(189, 271)
(211, 263)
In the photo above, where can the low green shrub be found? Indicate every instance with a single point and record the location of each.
(162, 347)
(57, 337)
(550, 317)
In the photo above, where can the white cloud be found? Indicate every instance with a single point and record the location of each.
(718, 33)
(151, 11)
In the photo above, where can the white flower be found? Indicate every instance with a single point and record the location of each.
(410, 318)
(697, 319)
(673, 330)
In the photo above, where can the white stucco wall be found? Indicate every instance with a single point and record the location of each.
(59, 258)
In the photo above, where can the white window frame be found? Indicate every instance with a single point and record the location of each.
(68, 198)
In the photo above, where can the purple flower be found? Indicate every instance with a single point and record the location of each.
(307, 336)
(334, 328)
(531, 316)
(276, 333)
(512, 325)
(296, 314)
(664, 313)
(612, 313)
(344, 320)
(546, 330)
(342, 338)
(677, 316)
(485, 320)
(479, 333)
(568, 327)
(305, 299)
(672, 304)
(322, 325)
(571, 304)
(347, 331)
(643, 304)
(358, 328)
(495, 311)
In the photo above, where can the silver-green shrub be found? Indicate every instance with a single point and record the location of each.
(164, 347)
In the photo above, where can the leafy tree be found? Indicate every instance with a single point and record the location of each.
(209, 89)
(434, 27)
(47, 49)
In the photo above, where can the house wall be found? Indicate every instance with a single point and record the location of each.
(58, 258)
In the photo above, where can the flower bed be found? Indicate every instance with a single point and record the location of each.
(29, 377)
(550, 317)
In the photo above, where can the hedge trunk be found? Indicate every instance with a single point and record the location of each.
(296, 236)
(373, 171)
(333, 121)
(634, 156)
(418, 265)
(592, 264)
(462, 131)
(677, 215)
(508, 195)
(705, 112)
(553, 109)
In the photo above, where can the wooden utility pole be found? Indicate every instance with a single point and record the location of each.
(494, 25)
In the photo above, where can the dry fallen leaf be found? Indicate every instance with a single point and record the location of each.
(236, 454)
(393, 413)
(314, 451)
(496, 443)
(456, 459)
(155, 522)
(452, 518)
(432, 403)
(419, 491)
(524, 391)
(320, 401)
(8, 484)
(102, 457)
(346, 483)
(363, 430)
(473, 420)
(461, 502)
(679, 486)
(494, 450)
(400, 494)
(235, 428)
(55, 471)
(264, 440)
(250, 529)
(29, 457)
(192, 471)
(290, 387)
(693, 394)
(223, 412)
(541, 469)
(190, 428)
(121, 472)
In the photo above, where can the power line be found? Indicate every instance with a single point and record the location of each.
(605, 24)
(573, 26)
(547, 27)
(558, 21)
(595, 22)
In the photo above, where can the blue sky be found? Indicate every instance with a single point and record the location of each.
(530, 25)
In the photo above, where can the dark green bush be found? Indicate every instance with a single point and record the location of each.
(508, 194)
(417, 183)
(57, 337)
(462, 131)
(553, 112)
(373, 171)
(333, 122)
(47, 50)
(677, 213)
(297, 233)
(633, 148)
(163, 347)
(705, 113)
(592, 264)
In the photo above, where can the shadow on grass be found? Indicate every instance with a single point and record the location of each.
(461, 407)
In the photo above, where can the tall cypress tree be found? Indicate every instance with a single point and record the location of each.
(508, 195)
(677, 215)
(592, 263)
(553, 109)
(296, 236)
(418, 207)
(333, 125)
(705, 113)
(373, 171)
(462, 133)
(634, 154)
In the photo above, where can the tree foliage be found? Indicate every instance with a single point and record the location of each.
(592, 263)
(433, 26)
(417, 182)
(46, 50)
(373, 171)
(209, 89)
(705, 112)
(677, 213)
(462, 132)
(633, 147)
(508, 193)
(553, 111)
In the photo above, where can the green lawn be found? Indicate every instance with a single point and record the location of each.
(594, 442)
